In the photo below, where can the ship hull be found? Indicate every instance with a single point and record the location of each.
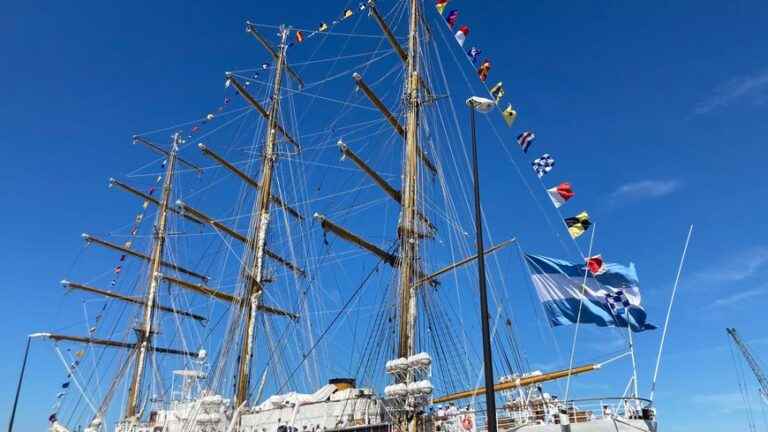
(601, 425)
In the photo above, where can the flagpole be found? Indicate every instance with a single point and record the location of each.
(490, 395)
(18, 387)
(634, 360)
(578, 315)
(669, 313)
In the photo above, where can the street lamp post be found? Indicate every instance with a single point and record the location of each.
(484, 105)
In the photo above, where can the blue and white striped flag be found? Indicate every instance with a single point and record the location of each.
(610, 299)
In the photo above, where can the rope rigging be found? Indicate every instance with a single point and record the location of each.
(313, 180)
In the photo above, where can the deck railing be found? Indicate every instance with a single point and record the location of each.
(516, 413)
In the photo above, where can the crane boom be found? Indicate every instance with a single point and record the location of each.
(751, 361)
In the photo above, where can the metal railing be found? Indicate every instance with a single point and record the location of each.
(516, 413)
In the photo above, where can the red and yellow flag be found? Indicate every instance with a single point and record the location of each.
(440, 5)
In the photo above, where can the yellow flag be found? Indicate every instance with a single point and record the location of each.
(578, 224)
(323, 27)
(576, 231)
(509, 115)
(347, 14)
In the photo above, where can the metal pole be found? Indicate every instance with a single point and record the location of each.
(18, 387)
(669, 314)
(490, 395)
(634, 360)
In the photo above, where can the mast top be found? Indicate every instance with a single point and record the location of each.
(250, 28)
(174, 147)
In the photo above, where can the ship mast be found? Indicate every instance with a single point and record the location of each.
(409, 240)
(253, 270)
(146, 330)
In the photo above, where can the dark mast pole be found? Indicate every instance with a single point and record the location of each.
(490, 396)
(18, 387)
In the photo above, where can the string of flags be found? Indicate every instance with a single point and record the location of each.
(299, 38)
(474, 53)
(542, 165)
(211, 115)
(324, 27)
(78, 356)
(117, 271)
(134, 230)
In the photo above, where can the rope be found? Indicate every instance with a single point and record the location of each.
(333, 321)
(329, 33)
(74, 379)
(613, 359)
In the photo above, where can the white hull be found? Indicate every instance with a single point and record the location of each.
(601, 425)
(342, 407)
(330, 408)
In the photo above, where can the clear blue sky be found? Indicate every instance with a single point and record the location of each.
(656, 112)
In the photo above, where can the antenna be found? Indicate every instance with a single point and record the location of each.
(669, 313)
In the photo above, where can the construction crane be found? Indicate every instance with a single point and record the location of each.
(752, 362)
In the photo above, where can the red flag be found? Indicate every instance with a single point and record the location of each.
(560, 194)
(462, 35)
(440, 5)
(595, 265)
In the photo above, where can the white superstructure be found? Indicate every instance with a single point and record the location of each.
(337, 405)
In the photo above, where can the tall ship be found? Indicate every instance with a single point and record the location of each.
(304, 256)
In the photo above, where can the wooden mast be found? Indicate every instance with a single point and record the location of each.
(143, 345)
(254, 266)
(409, 241)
